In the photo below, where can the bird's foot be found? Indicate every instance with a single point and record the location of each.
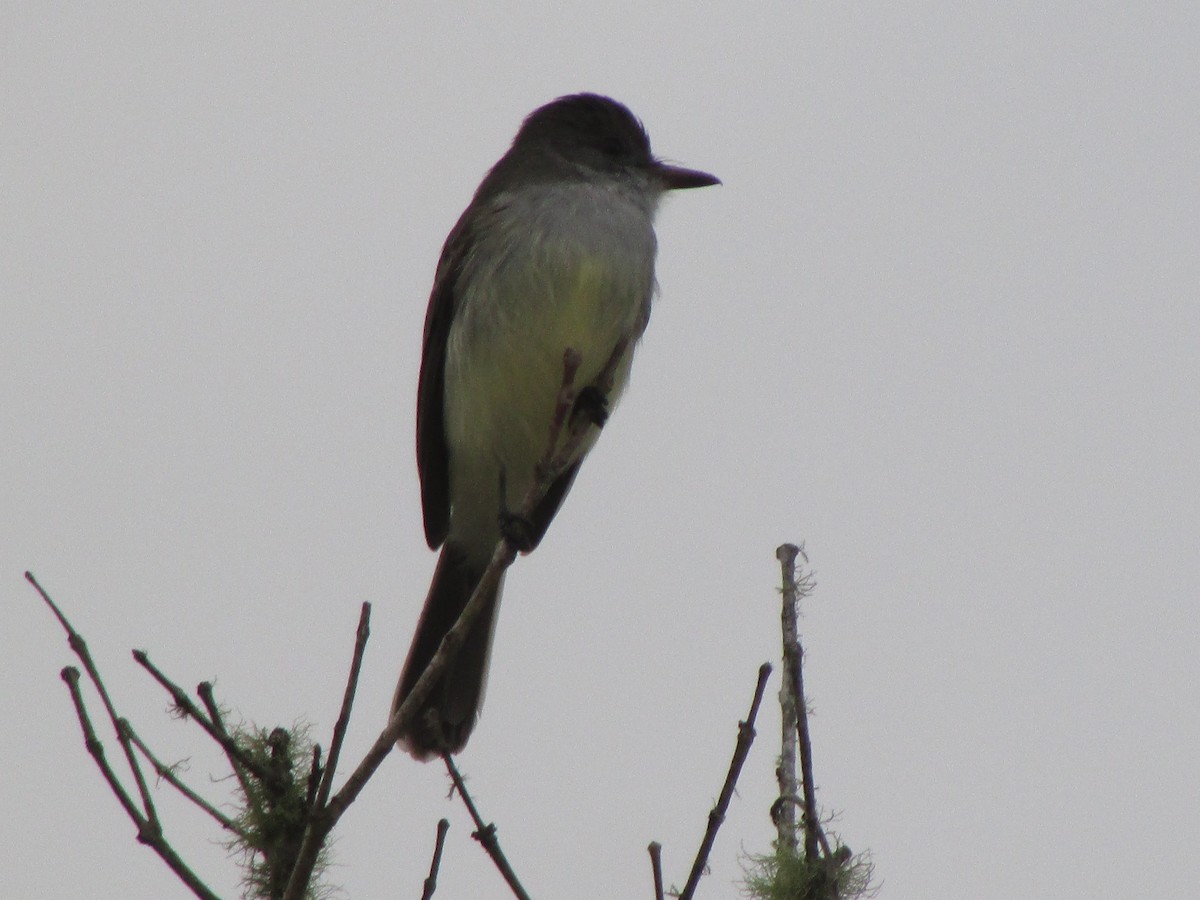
(591, 405)
(516, 528)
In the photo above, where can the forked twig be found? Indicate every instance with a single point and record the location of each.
(146, 829)
(149, 829)
(167, 774)
(80, 648)
(215, 730)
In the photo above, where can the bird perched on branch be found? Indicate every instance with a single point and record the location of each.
(555, 253)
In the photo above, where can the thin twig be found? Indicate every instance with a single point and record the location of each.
(814, 835)
(717, 815)
(343, 720)
(185, 705)
(431, 882)
(655, 849)
(485, 833)
(314, 778)
(233, 752)
(167, 774)
(70, 675)
(148, 832)
(79, 646)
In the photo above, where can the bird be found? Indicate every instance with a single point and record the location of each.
(554, 254)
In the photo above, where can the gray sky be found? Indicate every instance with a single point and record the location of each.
(940, 323)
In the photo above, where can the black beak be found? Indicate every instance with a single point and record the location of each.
(675, 178)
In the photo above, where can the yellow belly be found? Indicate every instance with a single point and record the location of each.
(502, 385)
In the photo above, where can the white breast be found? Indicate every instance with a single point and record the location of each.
(561, 266)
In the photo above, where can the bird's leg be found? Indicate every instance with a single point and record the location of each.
(516, 528)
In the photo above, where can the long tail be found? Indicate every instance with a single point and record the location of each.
(448, 715)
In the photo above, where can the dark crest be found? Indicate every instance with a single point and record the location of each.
(597, 129)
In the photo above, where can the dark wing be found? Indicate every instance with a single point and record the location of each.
(433, 457)
(543, 514)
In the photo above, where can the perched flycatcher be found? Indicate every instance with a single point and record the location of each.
(555, 251)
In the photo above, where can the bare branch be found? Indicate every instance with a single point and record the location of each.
(167, 774)
(79, 646)
(783, 810)
(343, 720)
(795, 589)
(431, 882)
(655, 849)
(233, 753)
(717, 815)
(314, 777)
(485, 833)
(70, 675)
(148, 832)
(214, 728)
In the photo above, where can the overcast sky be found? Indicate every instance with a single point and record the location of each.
(940, 322)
